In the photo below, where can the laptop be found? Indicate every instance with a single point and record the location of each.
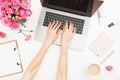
(76, 11)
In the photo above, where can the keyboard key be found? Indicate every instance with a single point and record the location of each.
(50, 17)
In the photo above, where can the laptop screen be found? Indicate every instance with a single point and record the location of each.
(79, 5)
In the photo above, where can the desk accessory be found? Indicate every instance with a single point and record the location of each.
(106, 57)
(14, 14)
(114, 23)
(109, 68)
(94, 69)
(99, 16)
(102, 44)
(10, 62)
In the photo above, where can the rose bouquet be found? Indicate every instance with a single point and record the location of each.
(14, 14)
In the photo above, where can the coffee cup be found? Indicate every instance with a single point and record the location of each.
(94, 70)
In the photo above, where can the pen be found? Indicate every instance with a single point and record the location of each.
(99, 16)
(106, 57)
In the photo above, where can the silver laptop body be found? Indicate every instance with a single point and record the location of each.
(79, 40)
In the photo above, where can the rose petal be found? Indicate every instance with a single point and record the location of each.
(15, 4)
(5, 21)
(28, 12)
(26, 4)
(22, 13)
(15, 25)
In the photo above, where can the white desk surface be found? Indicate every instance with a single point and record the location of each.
(78, 61)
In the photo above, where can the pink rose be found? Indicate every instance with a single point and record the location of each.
(28, 37)
(6, 21)
(15, 4)
(2, 14)
(26, 4)
(5, 5)
(2, 2)
(28, 12)
(15, 25)
(10, 11)
(2, 8)
(22, 13)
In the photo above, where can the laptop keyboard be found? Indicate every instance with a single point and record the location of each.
(78, 23)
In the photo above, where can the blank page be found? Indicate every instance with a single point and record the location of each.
(9, 59)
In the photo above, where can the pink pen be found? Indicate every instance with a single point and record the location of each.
(99, 16)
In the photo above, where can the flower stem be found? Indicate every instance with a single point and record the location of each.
(27, 30)
(20, 30)
(23, 33)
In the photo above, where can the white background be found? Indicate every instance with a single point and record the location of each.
(77, 61)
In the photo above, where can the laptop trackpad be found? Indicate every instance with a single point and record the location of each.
(78, 42)
(58, 41)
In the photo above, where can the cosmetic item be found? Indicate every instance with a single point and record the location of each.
(2, 34)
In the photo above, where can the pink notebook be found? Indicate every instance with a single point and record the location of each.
(102, 44)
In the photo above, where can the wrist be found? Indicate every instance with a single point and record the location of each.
(63, 46)
(46, 44)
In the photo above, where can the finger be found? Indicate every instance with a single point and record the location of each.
(56, 24)
(74, 30)
(65, 26)
(49, 25)
(71, 26)
(52, 24)
(58, 32)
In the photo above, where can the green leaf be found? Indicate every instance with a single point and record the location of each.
(31, 31)
(22, 22)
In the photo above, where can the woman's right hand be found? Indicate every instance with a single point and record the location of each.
(68, 33)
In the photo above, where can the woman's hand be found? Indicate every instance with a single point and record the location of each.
(68, 33)
(52, 32)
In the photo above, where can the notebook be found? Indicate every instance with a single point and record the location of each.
(10, 62)
(102, 44)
